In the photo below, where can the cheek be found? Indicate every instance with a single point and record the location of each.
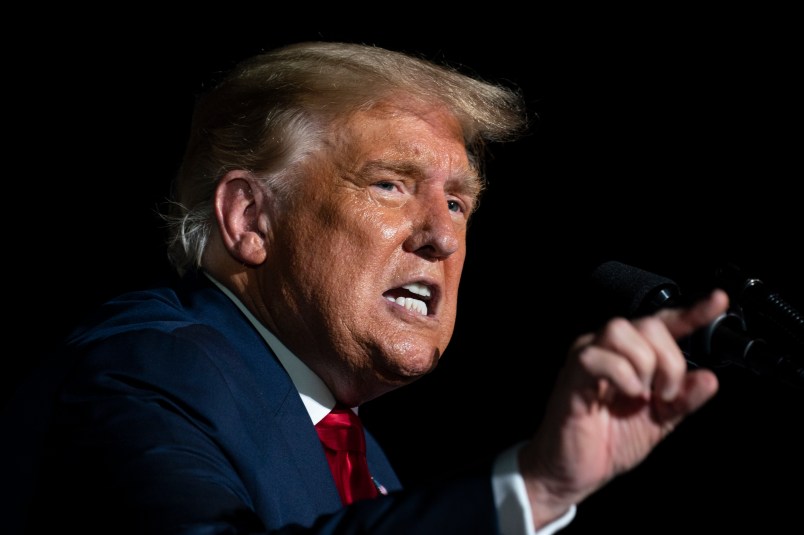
(367, 243)
(454, 267)
(381, 223)
(342, 256)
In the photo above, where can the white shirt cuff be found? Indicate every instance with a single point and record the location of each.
(511, 498)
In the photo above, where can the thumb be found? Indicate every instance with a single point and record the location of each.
(698, 387)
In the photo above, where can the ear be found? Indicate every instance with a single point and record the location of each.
(240, 205)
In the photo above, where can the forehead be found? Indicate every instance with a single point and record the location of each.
(409, 133)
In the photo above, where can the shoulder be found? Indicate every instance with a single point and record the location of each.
(165, 333)
(192, 304)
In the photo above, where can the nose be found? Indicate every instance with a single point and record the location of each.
(437, 232)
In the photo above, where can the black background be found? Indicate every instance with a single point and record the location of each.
(667, 140)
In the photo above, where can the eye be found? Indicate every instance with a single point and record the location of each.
(455, 206)
(385, 186)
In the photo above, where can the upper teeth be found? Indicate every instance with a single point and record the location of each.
(414, 305)
(419, 289)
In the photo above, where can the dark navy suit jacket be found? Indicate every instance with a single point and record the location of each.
(168, 413)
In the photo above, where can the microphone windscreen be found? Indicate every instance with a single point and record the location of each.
(628, 291)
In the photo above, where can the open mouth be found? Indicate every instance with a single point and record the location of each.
(414, 297)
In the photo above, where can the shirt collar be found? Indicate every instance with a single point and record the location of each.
(315, 395)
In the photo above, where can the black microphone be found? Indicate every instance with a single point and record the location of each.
(632, 292)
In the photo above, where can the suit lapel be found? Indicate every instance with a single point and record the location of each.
(280, 422)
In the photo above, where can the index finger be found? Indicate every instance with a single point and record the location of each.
(684, 321)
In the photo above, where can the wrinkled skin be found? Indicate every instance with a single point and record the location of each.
(385, 205)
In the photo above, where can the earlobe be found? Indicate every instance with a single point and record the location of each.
(239, 205)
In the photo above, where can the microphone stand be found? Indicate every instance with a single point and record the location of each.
(726, 341)
(764, 309)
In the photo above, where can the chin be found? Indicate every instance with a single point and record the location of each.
(409, 367)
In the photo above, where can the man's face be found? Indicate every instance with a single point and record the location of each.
(364, 266)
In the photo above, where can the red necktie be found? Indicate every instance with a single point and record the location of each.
(341, 434)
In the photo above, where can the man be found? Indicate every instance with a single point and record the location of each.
(319, 228)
